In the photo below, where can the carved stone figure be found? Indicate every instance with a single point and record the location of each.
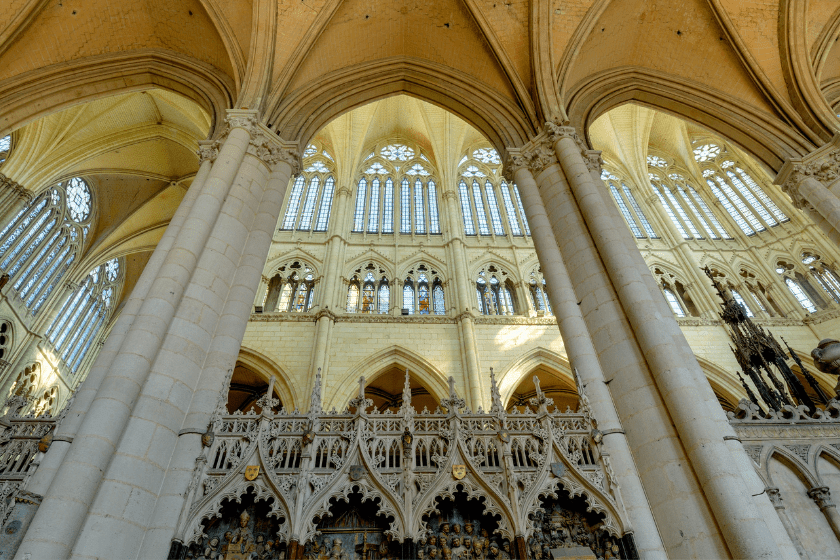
(827, 358)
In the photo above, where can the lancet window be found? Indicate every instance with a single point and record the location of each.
(291, 289)
(745, 200)
(5, 147)
(487, 201)
(824, 275)
(85, 314)
(678, 298)
(539, 295)
(396, 167)
(311, 194)
(798, 285)
(40, 244)
(629, 206)
(423, 292)
(494, 292)
(369, 290)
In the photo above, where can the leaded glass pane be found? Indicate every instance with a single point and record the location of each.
(290, 218)
(495, 214)
(628, 217)
(700, 218)
(742, 223)
(670, 212)
(800, 296)
(405, 207)
(423, 303)
(736, 200)
(78, 199)
(673, 302)
(384, 297)
(285, 297)
(681, 211)
(359, 215)
(466, 209)
(439, 303)
(353, 299)
(388, 217)
(513, 220)
(309, 204)
(434, 217)
(521, 211)
(408, 298)
(762, 195)
(483, 228)
(638, 210)
(373, 214)
(325, 210)
(751, 199)
(419, 210)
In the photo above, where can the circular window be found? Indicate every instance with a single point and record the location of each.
(78, 199)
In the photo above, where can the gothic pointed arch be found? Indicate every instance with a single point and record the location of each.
(431, 377)
(265, 367)
(519, 372)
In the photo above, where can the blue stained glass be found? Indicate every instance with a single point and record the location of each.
(53, 280)
(521, 210)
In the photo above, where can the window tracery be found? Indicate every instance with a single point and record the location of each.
(625, 200)
(480, 189)
(85, 314)
(824, 274)
(369, 290)
(494, 292)
(417, 211)
(291, 289)
(40, 244)
(539, 294)
(676, 294)
(5, 339)
(423, 292)
(741, 195)
(798, 285)
(313, 189)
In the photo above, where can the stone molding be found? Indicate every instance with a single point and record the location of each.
(208, 150)
(19, 190)
(821, 496)
(422, 319)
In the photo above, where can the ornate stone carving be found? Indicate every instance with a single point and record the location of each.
(823, 164)
(540, 156)
(822, 497)
(827, 358)
(775, 497)
(208, 150)
(557, 131)
(593, 160)
(242, 118)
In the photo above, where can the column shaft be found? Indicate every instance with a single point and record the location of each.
(57, 523)
(674, 367)
(584, 360)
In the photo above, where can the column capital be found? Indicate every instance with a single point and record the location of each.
(593, 160)
(821, 496)
(242, 118)
(534, 156)
(344, 191)
(556, 130)
(450, 195)
(19, 190)
(823, 165)
(208, 150)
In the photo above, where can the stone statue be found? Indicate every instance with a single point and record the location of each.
(827, 358)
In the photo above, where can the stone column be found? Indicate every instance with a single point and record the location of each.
(672, 363)
(84, 396)
(822, 497)
(222, 355)
(57, 525)
(466, 327)
(778, 504)
(585, 364)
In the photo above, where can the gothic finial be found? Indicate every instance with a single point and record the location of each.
(362, 387)
(452, 393)
(267, 402)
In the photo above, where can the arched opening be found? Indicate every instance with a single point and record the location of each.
(353, 529)
(554, 385)
(245, 528)
(565, 523)
(386, 392)
(246, 388)
(459, 528)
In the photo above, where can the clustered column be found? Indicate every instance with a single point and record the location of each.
(591, 231)
(165, 361)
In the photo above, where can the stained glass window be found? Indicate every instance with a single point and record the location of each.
(495, 214)
(434, 217)
(670, 212)
(521, 210)
(369, 294)
(309, 204)
(681, 211)
(397, 152)
(423, 300)
(408, 297)
(700, 217)
(483, 228)
(800, 296)
(676, 307)
(359, 215)
(373, 214)
(405, 207)
(384, 296)
(739, 203)
(78, 199)
(628, 217)
(419, 211)
(513, 220)
(487, 155)
(466, 209)
(439, 303)
(326, 205)
(762, 195)
(290, 218)
(353, 298)
(706, 152)
(84, 314)
(639, 213)
(388, 216)
(708, 212)
(727, 204)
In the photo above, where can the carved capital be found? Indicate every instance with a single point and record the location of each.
(450, 195)
(515, 161)
(208, 150)
(775, 497)
(593, 160)
(242, 118)
(290, 156)
(823, 164)
(821, 496)
(540, 156)
(557, 131)
(344, 191)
